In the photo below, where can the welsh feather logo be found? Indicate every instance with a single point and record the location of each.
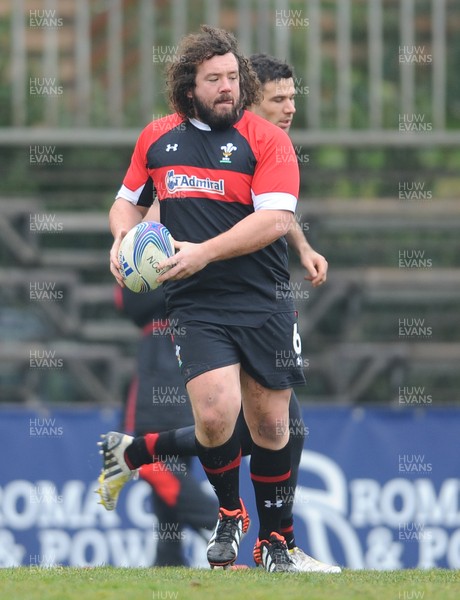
(227, 152)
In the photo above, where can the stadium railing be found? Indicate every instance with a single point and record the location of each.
(112, 56)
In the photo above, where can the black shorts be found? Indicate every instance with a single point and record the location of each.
(270, 354)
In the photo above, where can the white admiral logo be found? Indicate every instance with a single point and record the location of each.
(184, 183)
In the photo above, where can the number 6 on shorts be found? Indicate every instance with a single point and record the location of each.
(296, 340)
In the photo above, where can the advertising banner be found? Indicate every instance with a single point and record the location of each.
(378, 489)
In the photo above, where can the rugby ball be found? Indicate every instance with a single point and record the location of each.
(142, 249)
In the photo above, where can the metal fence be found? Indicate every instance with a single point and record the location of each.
(369, 72)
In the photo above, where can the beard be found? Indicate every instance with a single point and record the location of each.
(215, 120)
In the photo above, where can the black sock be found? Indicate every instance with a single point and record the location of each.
(270, 472)
(287, 531)
(177, 442)
(222, 467)
(244, 435)
(183, 441)
(137, 453)
(287, 520)
(297, 435)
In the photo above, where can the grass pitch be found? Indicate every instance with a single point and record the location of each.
(107, 583)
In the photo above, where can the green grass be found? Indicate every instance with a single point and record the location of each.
(107, 583)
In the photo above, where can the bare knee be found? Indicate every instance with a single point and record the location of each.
(267, 413)
(212, 426)
(215, 409)
(272, 429)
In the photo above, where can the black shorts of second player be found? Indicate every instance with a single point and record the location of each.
(270, 354)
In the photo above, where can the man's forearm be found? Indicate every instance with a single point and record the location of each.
(252, 233)
(124, 215)
(296, 238)
(315, 264)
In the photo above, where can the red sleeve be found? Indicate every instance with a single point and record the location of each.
(137, 185)
(137, 175)
(276, 180)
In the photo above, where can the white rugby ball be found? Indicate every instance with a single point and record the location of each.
(142, 249)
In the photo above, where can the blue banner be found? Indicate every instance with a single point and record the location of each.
(378, 489)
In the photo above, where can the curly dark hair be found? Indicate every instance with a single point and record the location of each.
(193, 50)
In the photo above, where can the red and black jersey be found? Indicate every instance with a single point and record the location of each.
(206, 181)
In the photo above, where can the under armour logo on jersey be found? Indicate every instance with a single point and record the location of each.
(227, 152)
(270, 504)
(172, 147)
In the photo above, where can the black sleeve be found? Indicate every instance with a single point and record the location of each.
(147, 195)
